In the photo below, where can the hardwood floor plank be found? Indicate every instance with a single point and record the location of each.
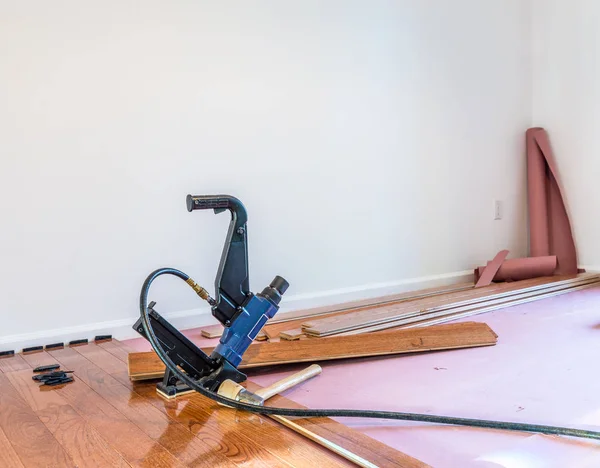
(146, 365)
(274, 330)
(212, 331)
(175, 437)
(452, 336)
(430, 303)
(283, 444)
(205, 418)
(30, 439)
(101, 420)
(8, 456)
(79, 439)
(150, 421)
(129, 440)
(215, 331)
(292, 334)
(106, 361)
(117, 349)
(13, 363)
(135, 446)
(463, 312)
(39, 359)
(132, 443)
(438, 304)
(441, 337)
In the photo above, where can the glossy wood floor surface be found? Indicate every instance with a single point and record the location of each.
(103, 419)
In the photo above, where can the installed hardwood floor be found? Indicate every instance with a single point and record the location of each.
(172, 435)
(8, 456)
(30, 438)
(79, 438)
(248, 443)
(103, 419)
(13, 363)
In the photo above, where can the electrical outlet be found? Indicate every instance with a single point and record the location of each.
(497, 209)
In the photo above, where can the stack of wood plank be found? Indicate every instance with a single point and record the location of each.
(422, 308)
(287, 320)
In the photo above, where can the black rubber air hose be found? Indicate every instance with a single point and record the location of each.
(346, 413)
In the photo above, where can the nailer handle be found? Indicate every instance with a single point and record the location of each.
(232, 283)
(217, 203)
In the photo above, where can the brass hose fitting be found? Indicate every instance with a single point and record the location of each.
(203, 293)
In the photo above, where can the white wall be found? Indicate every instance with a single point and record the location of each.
(368, 141)
(566, 101)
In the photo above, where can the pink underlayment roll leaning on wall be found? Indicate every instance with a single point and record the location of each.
(551, 245)
(549, 227)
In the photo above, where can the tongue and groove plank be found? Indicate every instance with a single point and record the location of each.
(436, 319)
(212, 331)
(209, 419)
(147, 365)
(295, 319)
(215, 331)
(296, 329)
(79, 439)
(275, 330)
(30, 439)
(371, 317)
(293, 334)
(458, 335)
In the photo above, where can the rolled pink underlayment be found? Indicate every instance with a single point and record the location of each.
(517, 269)
(486, 276)
(551, 246)
(549, 228)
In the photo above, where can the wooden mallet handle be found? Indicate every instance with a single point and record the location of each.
(289, 382)
(233, 390)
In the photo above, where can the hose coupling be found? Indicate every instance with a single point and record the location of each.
(203, 293)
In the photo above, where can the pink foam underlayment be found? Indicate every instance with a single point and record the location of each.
(551, 245)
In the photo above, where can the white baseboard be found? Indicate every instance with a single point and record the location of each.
(186, 319)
